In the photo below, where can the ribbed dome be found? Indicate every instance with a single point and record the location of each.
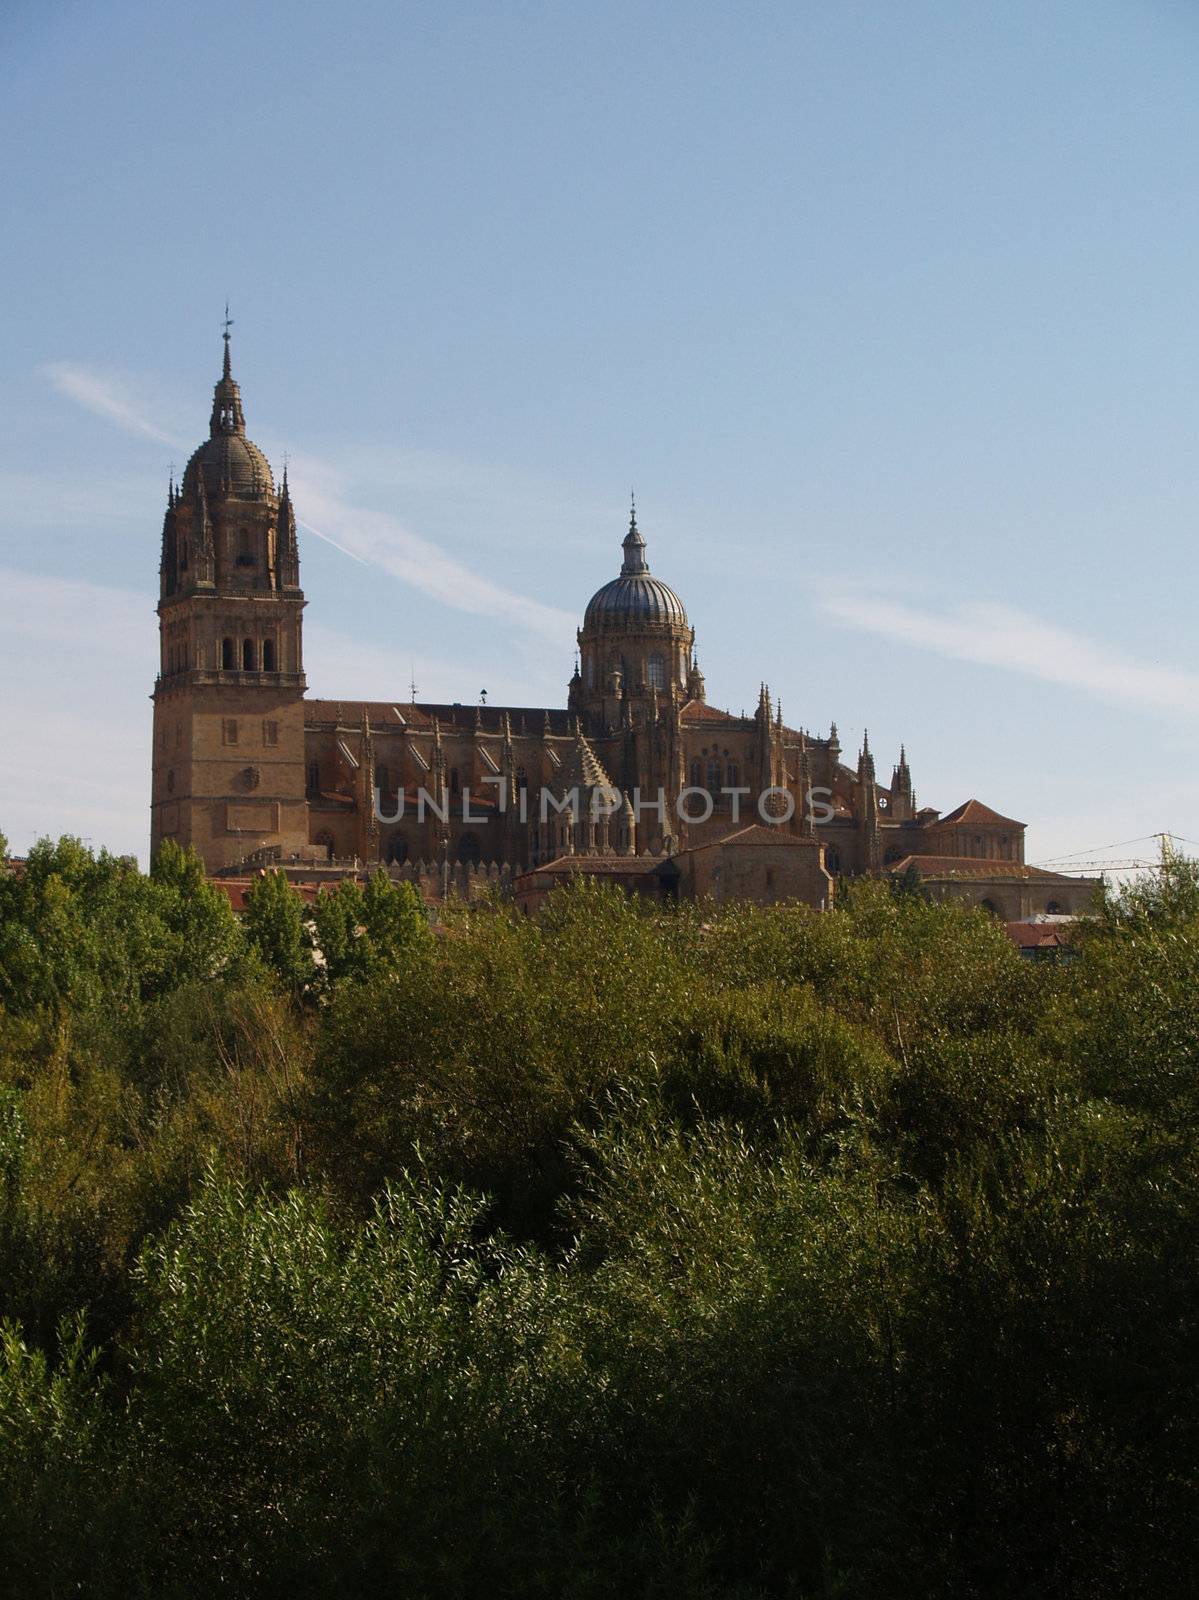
(227, 459)
(230, 458)
(635, 599)
(635, 596)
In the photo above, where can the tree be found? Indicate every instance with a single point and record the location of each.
(197, 913)
(274, 927)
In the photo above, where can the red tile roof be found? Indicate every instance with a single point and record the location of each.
(701, 711)
(975, 867)
(235, 889)
(599, 866)
(973, 811)
(757, 833)
(387, 713)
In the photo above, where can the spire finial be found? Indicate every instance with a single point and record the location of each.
(228, 323)
(634, 546)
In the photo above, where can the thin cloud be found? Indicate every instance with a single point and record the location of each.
(373, 538)
(107, 398)
(1000, 636)
(381, 540)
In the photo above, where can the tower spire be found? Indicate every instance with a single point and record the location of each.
(227, 414)
(634, 546)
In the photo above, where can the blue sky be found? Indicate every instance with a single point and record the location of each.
(888, 312)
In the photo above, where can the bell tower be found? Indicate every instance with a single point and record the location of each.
(228, 763)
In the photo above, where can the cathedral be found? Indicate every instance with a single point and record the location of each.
(636, 778)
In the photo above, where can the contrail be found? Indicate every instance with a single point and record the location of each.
(308, 528)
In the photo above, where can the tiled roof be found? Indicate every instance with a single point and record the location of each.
(599, 866)
(400, 713)
(757, 833)
(701, 711)
(235, 889)
(973, 811)
(975, 867)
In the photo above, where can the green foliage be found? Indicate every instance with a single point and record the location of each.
(712, 1252)
(363, 932)
(205, 933)
(275, 931)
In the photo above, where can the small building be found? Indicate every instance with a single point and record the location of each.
(762, 864)
(1012, 890)
(651, 878)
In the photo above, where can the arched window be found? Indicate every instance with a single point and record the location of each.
(1053, 908)
(268, 655)
(227, 662)
(732, 775)
(469, 849)
(590, 669)
(989, 905)
(697, 775)
(397, 851)
(832, 859)
(324, 841)
(655, 669)
(383, 777)
(247, 655)
(453, 780)
(714, 775)
(314, 779)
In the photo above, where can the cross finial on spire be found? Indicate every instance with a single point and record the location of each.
(228, 323)
(632, 511)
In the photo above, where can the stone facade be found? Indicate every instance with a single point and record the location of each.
(637, 764)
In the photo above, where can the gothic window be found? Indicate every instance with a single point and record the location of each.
(697, 775)
(832, 859)
(453, 780)
(656, 671)
(268, 655)
(469, 849)
(247, 655)
(314, 780)
(732, 775)
(397, 851)
(714, 775)
(383, 777)
(227, 661)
